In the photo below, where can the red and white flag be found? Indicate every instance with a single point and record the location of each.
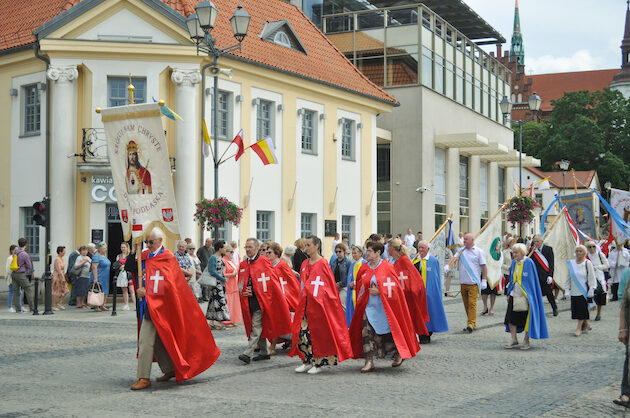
(238, 141)
(136, 225)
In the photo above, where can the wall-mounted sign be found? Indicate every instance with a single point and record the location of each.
(102, 190)
(330, 228)
(97, 236)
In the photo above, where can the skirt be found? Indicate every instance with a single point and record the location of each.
(217, 305)
(233, 301)
(376, 345)
(305, 346)
(59, 285)
(81, 285)
(579, 308)
(518, 319)
(488, 291)
(600, 295)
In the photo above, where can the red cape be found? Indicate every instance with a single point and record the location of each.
(415, 293)
(177, 317)
(395, 306)
(274, 307)
(289, 284)
(326, 319)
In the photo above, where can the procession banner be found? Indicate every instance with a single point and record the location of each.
(620, 202)
(580, 207)
(561, 238)
(438, 245)
(141, 170)
(489, 240)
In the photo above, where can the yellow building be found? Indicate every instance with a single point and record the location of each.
(60, 59)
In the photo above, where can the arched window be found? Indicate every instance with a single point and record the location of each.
(282, 38)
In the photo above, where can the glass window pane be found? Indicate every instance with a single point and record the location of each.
(427, 67)
(402, 70)
(347, 139)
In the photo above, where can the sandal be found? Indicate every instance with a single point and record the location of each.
(485, 312)
(511, 345)
(369, 367)
(397, 361)
(623, 400)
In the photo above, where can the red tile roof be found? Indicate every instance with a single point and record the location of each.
(583, 179)
(324, 62)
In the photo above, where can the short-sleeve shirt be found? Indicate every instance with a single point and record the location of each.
(476, 258)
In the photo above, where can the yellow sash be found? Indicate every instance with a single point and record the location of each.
(424, 272)
(518, 276)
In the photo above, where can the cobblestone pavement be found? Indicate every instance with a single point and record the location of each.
(78, 363)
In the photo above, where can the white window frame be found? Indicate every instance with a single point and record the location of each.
(259, 134)
(139, 95)
(261, 232)
(228, 111)
(347, 227)
(30, 231)
(37, 109)
(314, 123)
(348, 139)
(308, 224)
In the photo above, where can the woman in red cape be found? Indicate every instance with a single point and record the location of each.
(290, 288)
(381, 323)
(413, 286)
(320, 333)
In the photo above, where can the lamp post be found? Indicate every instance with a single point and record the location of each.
(564, 166)
(199, 25)
(506, 105)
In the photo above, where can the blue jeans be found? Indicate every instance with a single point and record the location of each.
(10, 297)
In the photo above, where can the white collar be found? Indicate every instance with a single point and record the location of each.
(158, 250)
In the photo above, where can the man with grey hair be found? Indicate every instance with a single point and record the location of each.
(429, 268)
(472, 278)
(543, 259)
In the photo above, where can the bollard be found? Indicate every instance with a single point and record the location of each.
(114, 301)
(35, 295)
(47, 294)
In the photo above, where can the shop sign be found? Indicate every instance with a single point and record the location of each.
(102, 190)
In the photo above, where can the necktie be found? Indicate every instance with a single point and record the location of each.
(424, 271)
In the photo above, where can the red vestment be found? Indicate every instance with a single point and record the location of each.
(177, 317)
(288, 283)
(268, 293)
(324, 313)
(395, 307)
(415, 293)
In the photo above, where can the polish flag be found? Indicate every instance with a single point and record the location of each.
(238, 141)
(136, 225)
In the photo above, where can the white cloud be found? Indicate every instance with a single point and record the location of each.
(581, 60)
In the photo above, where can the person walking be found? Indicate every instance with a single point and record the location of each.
(231, 290)
(429, 267)
(525, 311)
(12, 248)
(299, 256)
(472, 278)
(601, 266)
(204, 253)
(100, 272)
(618, 260)
(72, 258)
(410, 238)
(81, 270)
(351, 297)
(543, 258)
(507, 260)
(581, 288)
(340, 266)
(59, 282)
(217, 310)
(19, 277)
(624, 325)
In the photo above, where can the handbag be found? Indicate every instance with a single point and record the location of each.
(122, 280)
(207, 279)
(96, 297)
(520, 304)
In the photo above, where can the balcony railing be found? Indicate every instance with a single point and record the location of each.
(94, 146)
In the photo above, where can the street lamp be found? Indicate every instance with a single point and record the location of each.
(199, 26)
(564, 166)
(534, 103)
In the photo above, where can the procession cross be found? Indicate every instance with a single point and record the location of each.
(402, 279)
(282, 283)
(317, 283)
(156, 278)
(264, 279)
(389, 285)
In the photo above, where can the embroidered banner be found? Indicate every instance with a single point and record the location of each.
(620, 202)
(489, 240)
(580, 207)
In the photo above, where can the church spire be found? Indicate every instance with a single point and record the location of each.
(621, 81)
(517, 39)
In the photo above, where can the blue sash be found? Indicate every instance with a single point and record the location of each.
(575, 279)
(469, 269)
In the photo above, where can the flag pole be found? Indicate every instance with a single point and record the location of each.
(548, 230)
(441, 228)
(139, 261)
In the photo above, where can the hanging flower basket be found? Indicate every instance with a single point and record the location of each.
(520, 210)
(211, 213)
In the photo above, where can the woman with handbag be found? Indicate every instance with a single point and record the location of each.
(217, 305)
(100, 273)
(59, 282)
(581, 288)
(600, 266)
(525, 311)
(81, 269)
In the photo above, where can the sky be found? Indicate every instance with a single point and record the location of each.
(561, 35)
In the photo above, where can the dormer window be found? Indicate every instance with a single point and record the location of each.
(281, 33)
(282, 38)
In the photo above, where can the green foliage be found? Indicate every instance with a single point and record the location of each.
(590, 129)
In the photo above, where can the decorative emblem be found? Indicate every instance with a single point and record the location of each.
(123, 216)
(167, 215)
(495, 249)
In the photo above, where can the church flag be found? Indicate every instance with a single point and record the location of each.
(238, 141)
(580, 207)
(141, 170)
(266, 151)
(620, 202)
(439, 244)
(489, 240)
(206, 140)
(562, 239)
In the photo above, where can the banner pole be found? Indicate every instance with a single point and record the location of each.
(139, 261)
(441, 228)
(547, 231)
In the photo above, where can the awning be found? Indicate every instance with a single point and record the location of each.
(465, 140)
(493, 148)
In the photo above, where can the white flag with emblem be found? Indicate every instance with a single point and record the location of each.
(562, 241)
(489, 240)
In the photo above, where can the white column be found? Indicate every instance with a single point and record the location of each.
(187, 149)
(452, 186)
(474, 193)
(63, 144)
(493, 187)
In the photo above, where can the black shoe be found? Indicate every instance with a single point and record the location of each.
(598, 318)
(262, 357)
(245, 359)
(256, 350)
(425, 339)
(555, 311)
(468, 330)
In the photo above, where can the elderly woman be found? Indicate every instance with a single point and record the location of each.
(231, 289)
(100, 272)
(59, 283)
(351, 297)
(507, 259)
(217, 306)
(581, 288)
(287, 257)
(81, 270)
(624, 324)
(600, 265)
(525, 310)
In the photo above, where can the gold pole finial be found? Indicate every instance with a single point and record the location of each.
(130, 89)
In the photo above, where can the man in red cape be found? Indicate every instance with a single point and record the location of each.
(415, 293)
(394, 305)
(324, 313)
(289, 284)
(174, 329)
(265, 309)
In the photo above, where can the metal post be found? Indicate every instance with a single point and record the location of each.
(35, 295)
(215, 133)
(47, 276)
(114, 298)
(520, 167)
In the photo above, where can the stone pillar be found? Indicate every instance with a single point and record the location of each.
(493, 187)
(474, 193)
(63, 142)
(452, 186)
(187, 149)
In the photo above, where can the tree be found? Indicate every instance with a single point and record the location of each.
(590, 129)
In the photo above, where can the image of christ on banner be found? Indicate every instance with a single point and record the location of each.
(138, 177)
(580, 207)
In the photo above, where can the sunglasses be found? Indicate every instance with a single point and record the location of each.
(150, 241)
(269, 251)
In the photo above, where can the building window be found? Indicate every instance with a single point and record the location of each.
(483, 185)
(223, 123)
(224, 232)
(347, 139)
(463, 194)
(308, 131)
(32, 110)
(347, 228)
(307, 225)
(117, 90)
(439, 74)
(383, 189)
(501, 186)
(31, 232)
(282, 38)
(264, 224)
(427, 67)
(439, 168)
(264, 113)
(539, 199)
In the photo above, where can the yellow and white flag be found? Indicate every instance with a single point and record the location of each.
(489, 240)
(141, 170)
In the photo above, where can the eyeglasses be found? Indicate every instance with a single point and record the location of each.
(150, 241)
(193, 249)
(338, 251)
(268, 251)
